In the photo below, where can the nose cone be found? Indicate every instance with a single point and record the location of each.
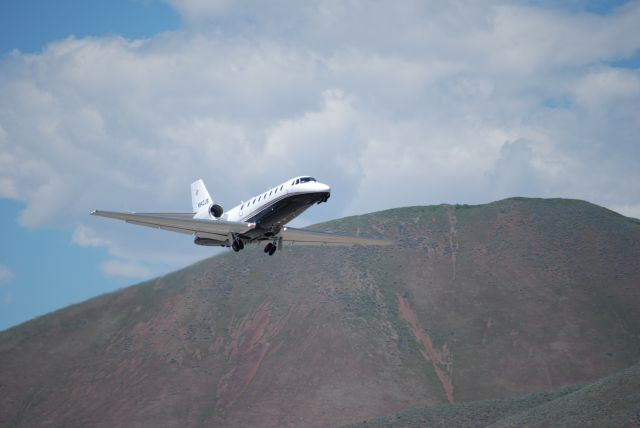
(324, 188)
(313, 187)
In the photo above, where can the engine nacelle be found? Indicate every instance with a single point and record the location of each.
(216, 210)
(209, 242)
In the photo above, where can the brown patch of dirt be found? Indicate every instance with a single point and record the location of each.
(441, 360)
(215, 346)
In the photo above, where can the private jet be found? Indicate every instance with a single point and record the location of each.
(261, 219)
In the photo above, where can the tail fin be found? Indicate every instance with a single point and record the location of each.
(199, 196)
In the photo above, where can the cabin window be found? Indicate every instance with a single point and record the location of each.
(242, 206)
(281, 187)
(270, 193)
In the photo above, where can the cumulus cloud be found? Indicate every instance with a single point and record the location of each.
(87, 237)
(601, 87)
(6, 275)
(452, 103)
(515, 173)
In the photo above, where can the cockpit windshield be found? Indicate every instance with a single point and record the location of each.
(307, 179)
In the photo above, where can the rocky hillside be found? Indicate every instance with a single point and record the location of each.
(473, 303)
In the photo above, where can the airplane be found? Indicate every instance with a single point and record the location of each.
(261, 219)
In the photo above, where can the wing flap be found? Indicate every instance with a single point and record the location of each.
(312, 237)
(172, 214)
(179, 222)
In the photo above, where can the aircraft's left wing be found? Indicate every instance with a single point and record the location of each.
(180, 222)
(290, 235)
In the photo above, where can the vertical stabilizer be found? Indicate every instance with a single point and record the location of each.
(200, 198)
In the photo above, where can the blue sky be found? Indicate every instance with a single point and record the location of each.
(49, 271)
(30, 24)
(122, 104)
(44, 270)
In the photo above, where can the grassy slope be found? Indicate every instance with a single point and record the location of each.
(613, 401)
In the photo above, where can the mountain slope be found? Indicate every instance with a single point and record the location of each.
(612, 401)
(474, 302)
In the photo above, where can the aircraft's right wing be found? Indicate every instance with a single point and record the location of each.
(290, 235)
(181, 222)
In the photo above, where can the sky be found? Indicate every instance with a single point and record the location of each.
(120, 105)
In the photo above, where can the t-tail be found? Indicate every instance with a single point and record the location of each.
(202, 203)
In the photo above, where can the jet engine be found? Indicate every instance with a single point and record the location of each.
(216, 210)
(208, 242)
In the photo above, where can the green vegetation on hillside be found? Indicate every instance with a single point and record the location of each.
(613, 401)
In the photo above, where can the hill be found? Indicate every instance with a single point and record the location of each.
(473, 303)
(613, 401)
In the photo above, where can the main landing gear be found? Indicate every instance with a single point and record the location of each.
(237, 245)
(270, 248)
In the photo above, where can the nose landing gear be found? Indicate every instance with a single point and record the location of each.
(324, 198)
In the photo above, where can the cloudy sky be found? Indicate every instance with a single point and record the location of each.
(121, 105)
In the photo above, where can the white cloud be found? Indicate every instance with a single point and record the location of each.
(452, 103)
(515, 173)
(8, 189)
(87, 237)
(126, 269)
(604, 86)
(6, 275)
(532, 39)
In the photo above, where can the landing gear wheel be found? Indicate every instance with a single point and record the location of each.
(324, 198)
(270, 248)
(235, 246)
(240, 244)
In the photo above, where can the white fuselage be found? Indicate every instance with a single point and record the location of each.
(278, 205)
